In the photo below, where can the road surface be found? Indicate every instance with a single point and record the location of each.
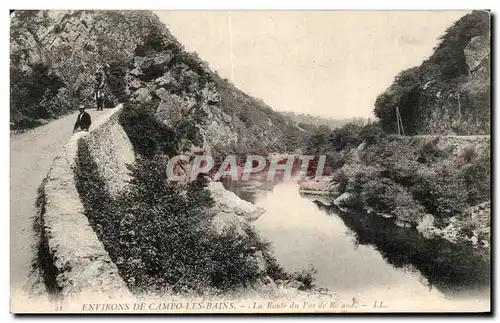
(31, 155)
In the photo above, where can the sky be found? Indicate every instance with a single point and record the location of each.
(324, 63)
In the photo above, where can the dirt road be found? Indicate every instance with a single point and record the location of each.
(31, 155)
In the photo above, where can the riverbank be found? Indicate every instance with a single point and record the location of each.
(437, 185)
(359, 255)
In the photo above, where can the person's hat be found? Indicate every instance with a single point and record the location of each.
(81, 107)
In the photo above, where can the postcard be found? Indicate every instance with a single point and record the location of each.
(250, 161)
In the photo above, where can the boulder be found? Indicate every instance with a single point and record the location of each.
(228, 202)
(227, 118)
(265, 285)
(224, 220)
(191, 81)
(402, 223)
(143, 95)
(361, 147)
(170, 108)
(426, 226)
(325, 184)
(473, 240)
(134, 84)
(154, 65)
(162, 94)
(136, 72)
(138, 61)
(166, 81)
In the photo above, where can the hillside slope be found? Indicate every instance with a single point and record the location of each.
(55, 56)
(449, 93)
(305, 121)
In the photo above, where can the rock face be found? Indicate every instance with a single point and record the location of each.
(71, 47)
(142, 62)
(463, 109)
(477, 51)
(183, 92)
(449, 93)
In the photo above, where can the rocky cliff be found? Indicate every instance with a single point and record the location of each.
(449, 93)
(56, 55)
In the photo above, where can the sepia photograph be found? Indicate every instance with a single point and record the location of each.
(250, 161)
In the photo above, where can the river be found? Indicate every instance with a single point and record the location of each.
(350, 258)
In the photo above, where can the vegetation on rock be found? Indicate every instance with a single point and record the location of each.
(450, 91)
(407, 178)
(60, 52)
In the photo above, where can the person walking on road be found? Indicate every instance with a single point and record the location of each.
(99, 90)
(83, 121)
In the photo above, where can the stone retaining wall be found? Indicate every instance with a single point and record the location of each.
(82, 265)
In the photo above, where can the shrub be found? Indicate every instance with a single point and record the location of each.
(319, 141)
(468, 153)
(273, 268)
(168, 243)
(346, 137)
(371, 133)
(477, 178)
(115, 74)
(386, 196)
(162, 239)
(430, 151)
(306, 277)
(441, 191)
(160, 234)
(341, 179)
(33, 96)
(397, 160)
(358, 174)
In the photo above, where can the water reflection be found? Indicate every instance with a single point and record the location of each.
(360, 255)
(450, 267)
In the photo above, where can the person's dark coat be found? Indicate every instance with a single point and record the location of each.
(83, 121)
